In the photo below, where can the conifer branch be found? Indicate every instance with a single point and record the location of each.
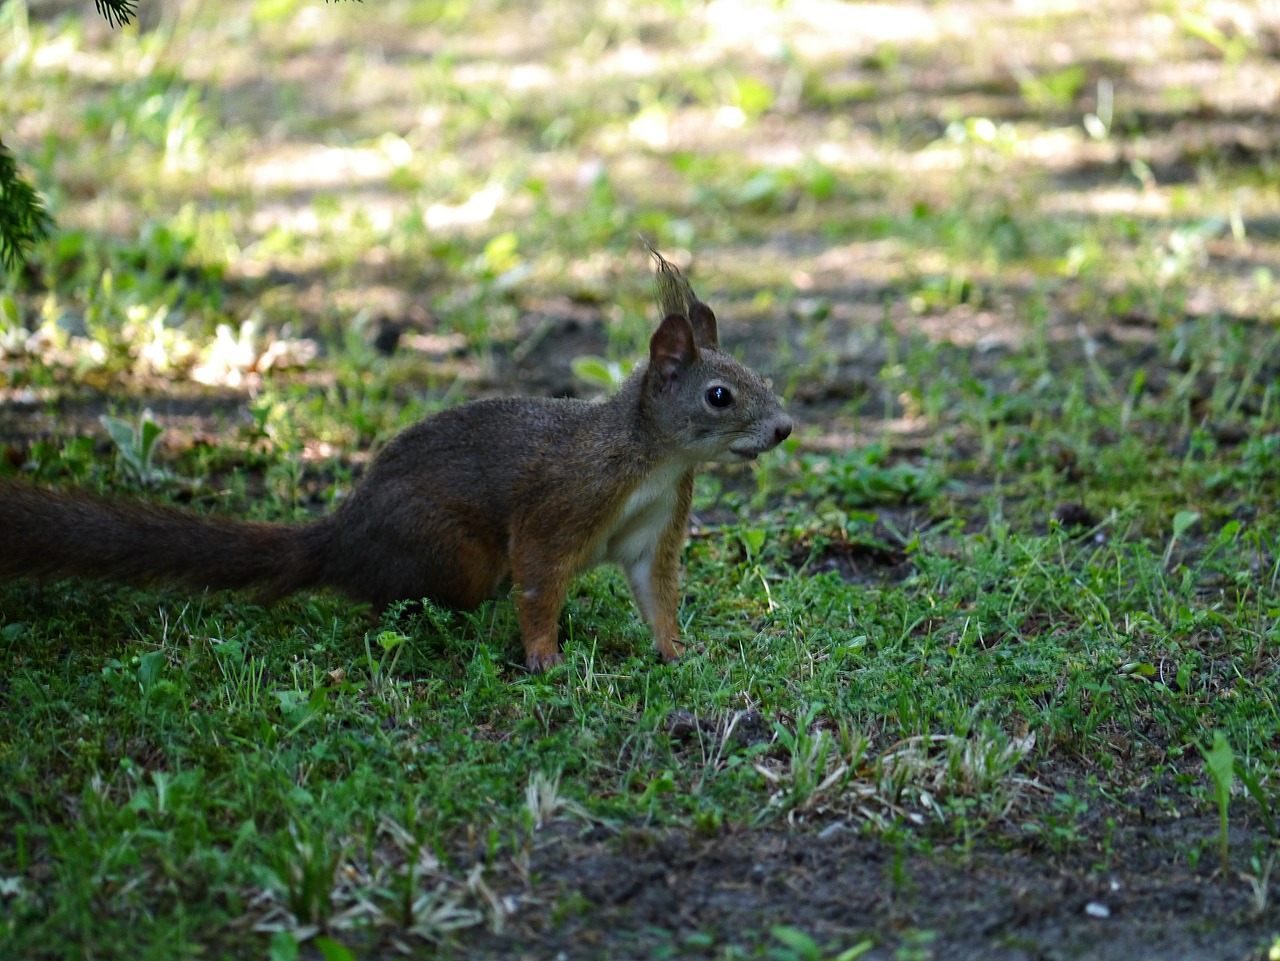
(117, 12)
(23, 219)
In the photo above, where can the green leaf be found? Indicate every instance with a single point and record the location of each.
(799, 942)
(150, 667)
(331, 950)
(150, 431)
(273, 11)
(760, 190)
(122, 434)
(857, 951)
(1054, 90)
(663, 784)
(390, 640)
(753, 540)
(608, 374)
(500, 253)
(1141, 668)
(9, 314)
(283, 947)
(1256, 791)
(752, 96)
(1184, 676)
(1183, 520)
(296, 713)
(1220, 763)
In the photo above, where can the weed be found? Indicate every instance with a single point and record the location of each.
(135, 447)
(795, 945)
(307, 867)
(1219, 761)
(817, 762)
(1260, 882)
(866, 477)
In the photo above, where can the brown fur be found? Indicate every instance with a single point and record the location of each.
(523, 489)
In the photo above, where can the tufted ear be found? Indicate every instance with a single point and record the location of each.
(675, 296)
(704, 325)
(672, 348)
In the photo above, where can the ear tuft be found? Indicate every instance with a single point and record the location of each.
(673, 292)
(671, 349)
(675, 296)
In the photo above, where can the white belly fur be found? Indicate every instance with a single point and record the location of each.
(646, 514)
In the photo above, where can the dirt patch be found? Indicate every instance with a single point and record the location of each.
(879, 558)
(647, 894)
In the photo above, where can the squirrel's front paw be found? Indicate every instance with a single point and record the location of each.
(671, 650)
(537, 663)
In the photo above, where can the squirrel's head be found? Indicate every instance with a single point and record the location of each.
(714, 408)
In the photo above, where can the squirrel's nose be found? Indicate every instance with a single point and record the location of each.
(782, 430)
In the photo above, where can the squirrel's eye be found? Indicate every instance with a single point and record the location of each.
(719, 396)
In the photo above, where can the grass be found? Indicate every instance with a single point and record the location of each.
(1016, 575)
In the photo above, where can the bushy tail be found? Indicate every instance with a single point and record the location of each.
(77, 534)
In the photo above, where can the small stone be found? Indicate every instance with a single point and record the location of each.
(1097, 910)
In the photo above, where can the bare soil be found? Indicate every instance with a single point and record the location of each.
(647, 894)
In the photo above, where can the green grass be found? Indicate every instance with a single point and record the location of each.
(1017, 575)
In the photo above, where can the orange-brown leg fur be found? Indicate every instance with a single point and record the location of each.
(541, 586)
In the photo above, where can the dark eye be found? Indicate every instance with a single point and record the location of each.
(720, 397)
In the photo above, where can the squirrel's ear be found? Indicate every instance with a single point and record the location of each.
(704, 326)
(675, 296)
(672, 348)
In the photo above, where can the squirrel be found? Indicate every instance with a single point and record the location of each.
(522, 490)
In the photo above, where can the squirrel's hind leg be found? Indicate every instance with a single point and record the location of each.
(541, 586)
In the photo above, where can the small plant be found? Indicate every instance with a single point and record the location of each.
(798, 946)
(543, 800)
(1260, 881)
(305, 863)
(1219, 761)
(243, 677)
(1183, 521)
(382, 672)
(817, 762)
(1060, 828)
(135, 447)
(866, 477)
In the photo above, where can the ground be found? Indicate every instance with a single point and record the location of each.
(983, 662)
(686, 893)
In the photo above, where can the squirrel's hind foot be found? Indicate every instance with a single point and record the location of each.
(538, 662)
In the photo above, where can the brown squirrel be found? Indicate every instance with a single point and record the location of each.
(524, 490)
